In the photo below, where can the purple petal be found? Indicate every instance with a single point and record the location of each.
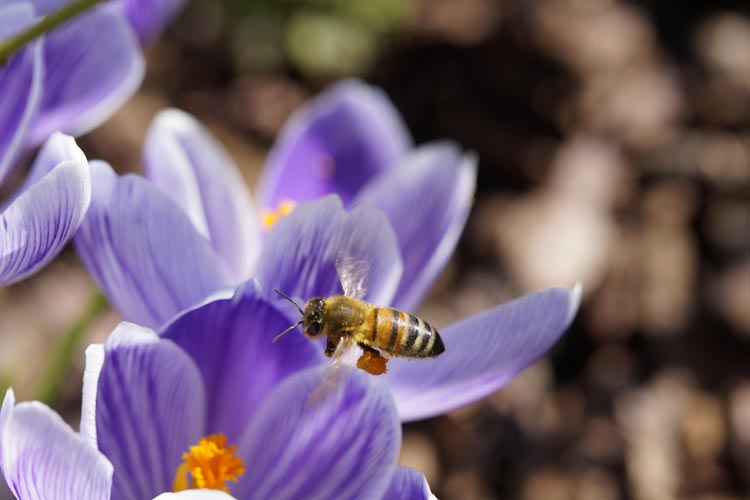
(186, 162)
(483, 353)
(230, 341)
(149, 17)
(20, 86)
(58, 148)
(42, 219)
(44, 7)
(427, 198)
(335, 144)
(300, 252)
(94, 363)
(143, 251)
(42, 457)
(93, 64)
(150, 407)
(321, 438)
(196, 495)
(9, 402)
(408, 483)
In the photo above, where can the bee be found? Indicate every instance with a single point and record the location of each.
(347, 320)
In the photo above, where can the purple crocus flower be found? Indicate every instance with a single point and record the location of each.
(211, 403)
(71, 80)
(348, 141)
(41, 217)
(149, 258)
(155, 254)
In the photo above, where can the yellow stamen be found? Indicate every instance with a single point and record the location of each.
(271, 217)
(210, 465)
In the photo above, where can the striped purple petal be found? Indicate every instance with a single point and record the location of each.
(427, 197)
(150, 406)
(93, 64)
(43, 458)
(300, 253)
(230, 341)
(58, 148)
(182, 159)
(335, 143)
(20, 86)
(39, 222)
(321, 435)
(408, 483)
(143, 251)
(483, 353)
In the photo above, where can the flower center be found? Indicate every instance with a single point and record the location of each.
(210, 464)
(271, 217)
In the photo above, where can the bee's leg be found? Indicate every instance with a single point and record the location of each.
(369, 349)
(330, 346)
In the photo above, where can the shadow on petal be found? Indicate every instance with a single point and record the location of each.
(335, 143)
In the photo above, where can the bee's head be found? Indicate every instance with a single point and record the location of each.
(312, 319)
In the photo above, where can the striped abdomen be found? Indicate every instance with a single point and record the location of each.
(402, 334)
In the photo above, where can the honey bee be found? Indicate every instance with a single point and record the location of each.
(347, 320)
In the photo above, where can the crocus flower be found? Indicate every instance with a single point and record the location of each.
(41, 217)
(211, 403)
(156, 253)
(151, 261)
(349, 141)
(71, 80)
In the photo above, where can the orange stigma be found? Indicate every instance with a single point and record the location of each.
(270, 217)
(210, 465)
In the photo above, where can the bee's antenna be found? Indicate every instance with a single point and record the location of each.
(287, 297)
(277, 337)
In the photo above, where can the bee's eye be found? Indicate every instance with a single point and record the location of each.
(314, 328)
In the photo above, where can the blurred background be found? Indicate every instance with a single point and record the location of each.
(614, 148)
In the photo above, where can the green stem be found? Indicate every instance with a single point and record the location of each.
(66, 349)
(45, 24)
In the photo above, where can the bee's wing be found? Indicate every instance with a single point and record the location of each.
(335, 371)
(352, 273)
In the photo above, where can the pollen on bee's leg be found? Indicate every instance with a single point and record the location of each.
(210, 464)
(270, 217)
(372, 362)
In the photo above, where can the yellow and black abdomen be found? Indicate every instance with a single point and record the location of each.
(402, 334)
